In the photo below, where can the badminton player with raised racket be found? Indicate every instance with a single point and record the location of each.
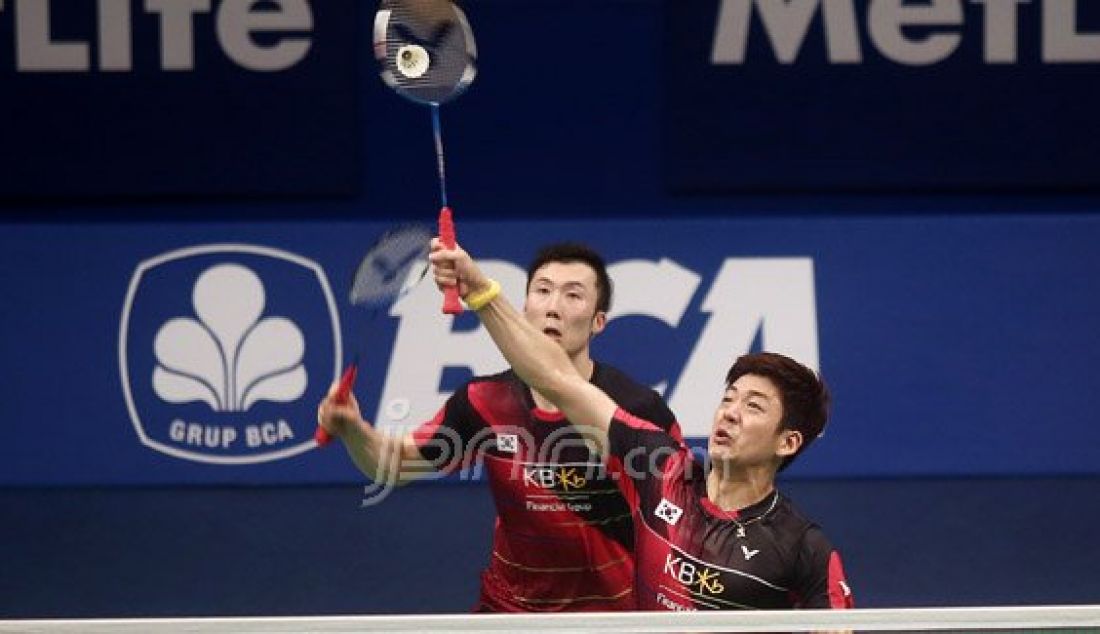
(564, 537)
(709, 534)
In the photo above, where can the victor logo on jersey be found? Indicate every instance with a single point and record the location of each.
(214, 353)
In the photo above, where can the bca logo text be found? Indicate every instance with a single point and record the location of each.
(770, 299)
(225, 350)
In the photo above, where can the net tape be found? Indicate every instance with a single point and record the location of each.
(1084, 618)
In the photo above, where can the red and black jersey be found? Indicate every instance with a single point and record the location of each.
(692, 555)
(564, 538)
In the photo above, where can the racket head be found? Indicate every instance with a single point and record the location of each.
(392, 267)
(425, 49)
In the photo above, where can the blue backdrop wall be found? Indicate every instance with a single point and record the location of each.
(902, 200)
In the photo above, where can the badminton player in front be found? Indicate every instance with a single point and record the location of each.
(709, 534)
(563, 538)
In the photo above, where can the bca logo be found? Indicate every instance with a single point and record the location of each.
(225, 350)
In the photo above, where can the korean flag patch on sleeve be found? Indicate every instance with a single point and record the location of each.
(668, 512)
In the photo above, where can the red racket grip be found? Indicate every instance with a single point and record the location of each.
(451, 303)
(343, 392)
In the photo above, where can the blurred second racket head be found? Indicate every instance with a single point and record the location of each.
(425, 49)
(392, 267)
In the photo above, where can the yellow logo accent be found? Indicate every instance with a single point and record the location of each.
(570, 479)
(694, 575)
(708, 582)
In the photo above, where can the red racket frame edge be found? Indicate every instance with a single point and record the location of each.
(343, 394)
(451, 303)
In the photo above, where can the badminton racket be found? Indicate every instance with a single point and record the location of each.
(392, 267)
(427, 54)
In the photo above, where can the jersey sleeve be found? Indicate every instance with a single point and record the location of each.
(637, 453)
(656, 411)
(820, 579)
(639, 400)
(446, 439)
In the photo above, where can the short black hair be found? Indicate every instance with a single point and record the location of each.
(569, 252)
(804, 395)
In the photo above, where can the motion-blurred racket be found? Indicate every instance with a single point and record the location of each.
(427, 55)
(390, 269)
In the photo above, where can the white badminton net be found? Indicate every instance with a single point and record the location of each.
(1014, 620)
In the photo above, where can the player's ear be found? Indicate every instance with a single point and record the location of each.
(599, 322)
(790, 441)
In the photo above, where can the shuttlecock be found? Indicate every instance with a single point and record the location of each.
(412, 60)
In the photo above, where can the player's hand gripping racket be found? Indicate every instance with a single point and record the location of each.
(390, 269)
(427, 55)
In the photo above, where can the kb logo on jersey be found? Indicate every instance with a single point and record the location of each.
(561, 477)
(693, 575)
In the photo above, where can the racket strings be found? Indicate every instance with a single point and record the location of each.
(390, 269)
(426, 49)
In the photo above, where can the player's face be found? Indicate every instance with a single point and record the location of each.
(561, 302)
(746, 424)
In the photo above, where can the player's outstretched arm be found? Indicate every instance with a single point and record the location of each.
(380, 456)
(537, 359)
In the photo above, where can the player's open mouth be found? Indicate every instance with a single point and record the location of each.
(722, 436)
(552, 332)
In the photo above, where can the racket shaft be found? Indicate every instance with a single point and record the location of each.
(451, 303)
(343, 394)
